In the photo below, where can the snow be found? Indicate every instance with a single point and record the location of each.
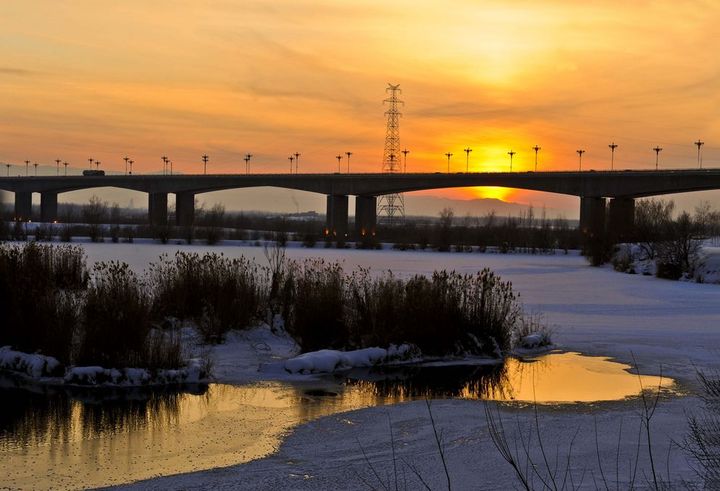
(665, 326)
(328, 361)
(32, 365)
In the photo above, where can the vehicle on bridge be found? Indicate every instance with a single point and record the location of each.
(93, 173)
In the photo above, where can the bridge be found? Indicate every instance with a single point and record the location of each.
(594, 188)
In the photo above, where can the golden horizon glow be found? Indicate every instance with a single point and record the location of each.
(181, 78)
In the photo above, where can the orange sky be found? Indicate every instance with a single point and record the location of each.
(88, 78)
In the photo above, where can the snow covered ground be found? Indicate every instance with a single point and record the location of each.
(667, 326)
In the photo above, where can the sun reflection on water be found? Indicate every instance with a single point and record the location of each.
(94, 438)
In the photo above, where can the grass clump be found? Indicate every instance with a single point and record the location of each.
(115, 319)
(36, 282)
(216, 292)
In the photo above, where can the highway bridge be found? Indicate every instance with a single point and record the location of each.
(594, 188)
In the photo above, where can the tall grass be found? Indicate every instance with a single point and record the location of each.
(217, 292)
(107, 317)
(115, 320)
(38, 314)
(448, 313)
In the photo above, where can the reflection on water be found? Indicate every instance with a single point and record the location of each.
(54, 438)
(552, 378)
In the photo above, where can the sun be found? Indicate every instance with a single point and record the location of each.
(492, 192)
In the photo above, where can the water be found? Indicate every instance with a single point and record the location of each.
(54, 438)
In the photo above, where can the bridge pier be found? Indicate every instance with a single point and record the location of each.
(365, 215)
(23, 205)
(337, 216)
(48, 206)
(592, 217)
(157, 208)
(621, 219)
(184, 209)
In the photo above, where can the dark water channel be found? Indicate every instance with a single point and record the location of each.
(54, 438)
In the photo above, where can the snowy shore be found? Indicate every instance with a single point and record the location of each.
(669, 327)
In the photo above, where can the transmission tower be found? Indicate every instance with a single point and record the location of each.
(391, 207)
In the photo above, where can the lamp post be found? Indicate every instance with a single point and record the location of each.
(205, 159)
(65, 164)
(27, 167)
(297, 161)
(348, 160)
(171, 167)
(165, 163)
(126, 164)
(91, 162)
(511, 153)
(537, 149)
(699, 144)
(131, 162)
(580, 154)
(612, 146)
(36, 166)
(291, 159)
(247, 158)
(57, 165)
(467, 159)
(97, 165)
(405, 152)
(339, 158)
(657, 151)
(448, 155)
(8, 169)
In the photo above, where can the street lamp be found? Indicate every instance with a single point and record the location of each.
(65, 164)
(247, 158)
(165, 163)
(339, 158)
(291, 159)
(91, 162)
(36, 166)
(57, 165)
(467, 159)
(97, 165)
(27, 167)
(511, 153)
(537, 149)
(205, 159)
(126, 164)
(657, 151)
(131, 162)
(699, 144)
(348, 161)
(405, 152)
(580, 154)
(297, 161)
(8, 169)
(448, 155)
(612, 146)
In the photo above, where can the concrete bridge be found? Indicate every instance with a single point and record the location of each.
(593, 187)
